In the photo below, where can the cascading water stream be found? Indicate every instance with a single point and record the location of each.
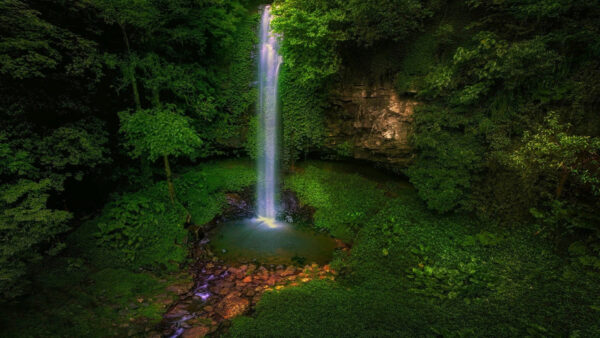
(268, 74)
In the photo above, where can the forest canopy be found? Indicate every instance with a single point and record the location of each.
(75, 73)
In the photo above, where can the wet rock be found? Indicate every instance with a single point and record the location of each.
(271, 281)
(196, 332)
(232, 306)
(290, 270)
(180, 287)
(178, 311)
(224, 291)
(290, 203)
(339, 244)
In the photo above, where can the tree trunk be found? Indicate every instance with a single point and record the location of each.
(130, 73)
(561, 183)
(131, 70)
(169, 179)
(155, 97)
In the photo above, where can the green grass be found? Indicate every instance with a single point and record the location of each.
(341, 210)
(415, 273)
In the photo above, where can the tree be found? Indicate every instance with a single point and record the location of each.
(48, 137)
(549, 152)
(159, 132)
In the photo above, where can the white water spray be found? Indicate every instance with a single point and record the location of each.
(268, 74)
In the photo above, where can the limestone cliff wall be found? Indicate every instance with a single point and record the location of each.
(372, 123)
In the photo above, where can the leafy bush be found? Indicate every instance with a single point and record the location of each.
(202, 189)
(144, 228)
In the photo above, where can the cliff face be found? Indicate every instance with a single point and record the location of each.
(371, 122)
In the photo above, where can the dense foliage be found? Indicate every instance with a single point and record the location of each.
(112, 275)
(316, 34)
(412, 272)
(506, 127)
(173, 77)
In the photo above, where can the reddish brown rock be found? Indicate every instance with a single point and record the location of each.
(179, 310)
(180, 287)
(196, 332)
(290, 270)
(224, 291)
(232, 306)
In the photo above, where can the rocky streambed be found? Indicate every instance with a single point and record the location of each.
(221, 292)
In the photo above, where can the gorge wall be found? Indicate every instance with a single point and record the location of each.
(370, 122)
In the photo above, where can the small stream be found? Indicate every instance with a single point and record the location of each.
(223, 291)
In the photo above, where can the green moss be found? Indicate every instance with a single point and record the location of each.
(343, 201)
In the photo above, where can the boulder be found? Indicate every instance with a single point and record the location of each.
(196, 332)
(180, 288)
(232, 306)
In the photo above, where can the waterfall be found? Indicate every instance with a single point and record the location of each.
(268, 73)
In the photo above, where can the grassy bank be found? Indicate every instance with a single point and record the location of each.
(415, 273)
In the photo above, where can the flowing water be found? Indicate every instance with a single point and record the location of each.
(268, 74)
(264, 238)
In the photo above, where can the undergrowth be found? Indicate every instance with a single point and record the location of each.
(412, 273)
(111, 279)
